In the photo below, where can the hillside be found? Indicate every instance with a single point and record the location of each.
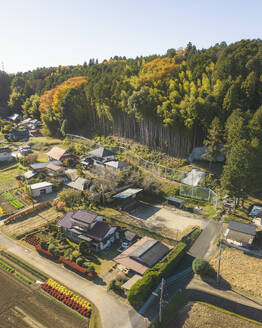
(170, 103)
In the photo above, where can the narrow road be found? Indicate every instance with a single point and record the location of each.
(205, 245)
(230, 300)
(114, 313)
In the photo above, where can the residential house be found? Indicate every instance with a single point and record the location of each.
(142, 255)
(41, 188)
(88, 226)
(18, 135)
(101, 155)
(5, 154)
(240, 233)
(29, 174)
(41, 167)
(79, 184)
(54, 170)
(116, 166)
(59, 154)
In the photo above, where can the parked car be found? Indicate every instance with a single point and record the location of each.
(124, 245)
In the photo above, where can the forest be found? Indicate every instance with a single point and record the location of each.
(172, 103)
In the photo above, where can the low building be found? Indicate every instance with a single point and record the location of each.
(71, 174)
(5, 154)
(59, 154)
(54, 170)
(142, 255)
(177, 202)
(126, 200)
(240, 233)
(102, 155)
(79, 184)
(116, 165)
(41, 167)
(18, 135)
(29, 174)
(90, 227)
(41, 188)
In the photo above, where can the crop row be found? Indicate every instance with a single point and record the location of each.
(6, 267)
(24, 266)
(23, 278)
(12, 200)
(67, 297)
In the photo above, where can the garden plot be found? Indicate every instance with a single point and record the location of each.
(199, 315)
(171, 221)
(30, 221)
(23, 307)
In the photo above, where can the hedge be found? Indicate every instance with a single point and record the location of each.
(73, 265)
(23, 278)
(142, 289)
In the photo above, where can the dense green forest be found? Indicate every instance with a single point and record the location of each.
(172, 102)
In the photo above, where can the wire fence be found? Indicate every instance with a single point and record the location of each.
(171, 174)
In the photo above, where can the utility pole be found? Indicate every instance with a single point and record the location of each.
(220, 255)
(161, 300)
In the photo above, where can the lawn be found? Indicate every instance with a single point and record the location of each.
(203, 315)
(242, 272)
(8, 174)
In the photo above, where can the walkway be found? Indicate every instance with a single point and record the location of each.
(113, 311)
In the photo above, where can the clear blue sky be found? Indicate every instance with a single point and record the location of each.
(37, 33)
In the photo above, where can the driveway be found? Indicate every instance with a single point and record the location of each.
(205, 245)
(113, 311)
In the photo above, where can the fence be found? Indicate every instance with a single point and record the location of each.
(160, 170)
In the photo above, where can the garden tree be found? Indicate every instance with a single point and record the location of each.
(200, 266)
(5, 81)
(236, 128)
(53, 250)
(70, 197)
(30, 107)
(213, 141)
(16, 100)
(238, 173)
(44, 244)
(84, 247)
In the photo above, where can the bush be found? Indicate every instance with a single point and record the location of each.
(142, 289)
(200, 266)
(70, 197)
(44, 244)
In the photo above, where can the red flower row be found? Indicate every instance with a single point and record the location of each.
(67, 300)
(73, 265)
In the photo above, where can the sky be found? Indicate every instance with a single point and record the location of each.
(38, 33)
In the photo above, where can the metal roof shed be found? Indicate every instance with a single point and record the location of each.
(41, 188)
(130, 192)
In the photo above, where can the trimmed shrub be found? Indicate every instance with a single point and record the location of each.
(200, 266)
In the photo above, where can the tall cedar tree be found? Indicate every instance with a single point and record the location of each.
(213, 141)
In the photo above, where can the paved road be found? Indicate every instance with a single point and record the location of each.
(228, 299)
(114, 313)
(205, 245)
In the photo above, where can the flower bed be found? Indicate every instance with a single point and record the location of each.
(66, 296)
(12, 200)
(32, 240)
(73, 265)
(45, 252)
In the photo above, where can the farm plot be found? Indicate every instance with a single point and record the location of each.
(22, 306)
(12, 200)
(198, 315)
(242, 272)
(29, 222)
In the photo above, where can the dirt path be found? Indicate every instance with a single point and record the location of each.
(113, 312)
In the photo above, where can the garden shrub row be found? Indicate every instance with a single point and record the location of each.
(23, 278)
(73, 265)
(6, 267)
(24, 266)
(45, 252)
(142, 289)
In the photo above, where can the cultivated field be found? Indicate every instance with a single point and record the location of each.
(203, 316)
(30, 221)
(241, 271)
(23, 307)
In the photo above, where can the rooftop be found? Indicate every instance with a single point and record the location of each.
(127, 193)
(101, 152)
(127, 285)
(42, 165)
(246, 228)
(39, 185)
(116, 164)
(152, 253)
(54, 167)
(80, 217)
(56, 153)
(79, 184)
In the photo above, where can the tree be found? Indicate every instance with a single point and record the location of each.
(84, 247)
(31, 106)
(213, 141)
(70, 197)
(200, 266)
(238, 173)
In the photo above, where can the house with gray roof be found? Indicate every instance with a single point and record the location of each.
(80, 184)
(90, 227)
(240, 233)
